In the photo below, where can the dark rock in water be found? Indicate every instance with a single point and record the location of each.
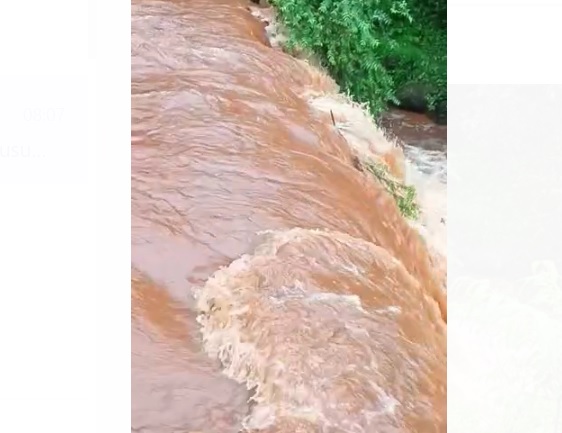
(413, 97)
(439, 113)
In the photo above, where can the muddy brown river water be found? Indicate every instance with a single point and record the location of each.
(275, 287)
(416, 129)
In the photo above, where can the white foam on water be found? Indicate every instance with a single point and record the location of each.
(431, 193)
(425, 170)
(243, 315)
(355, 124)
(234, 291)
(275, 33)
(432, 163)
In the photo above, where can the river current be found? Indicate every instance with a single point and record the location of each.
(275, 285)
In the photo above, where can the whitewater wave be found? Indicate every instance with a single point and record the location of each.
(329, 332)
(425, 169)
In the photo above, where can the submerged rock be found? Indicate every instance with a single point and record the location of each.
(414, 97)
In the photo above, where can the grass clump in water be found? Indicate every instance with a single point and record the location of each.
(404, 195)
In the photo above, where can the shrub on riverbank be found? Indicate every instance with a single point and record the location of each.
(374, 48)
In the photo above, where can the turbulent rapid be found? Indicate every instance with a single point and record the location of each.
(275, 286)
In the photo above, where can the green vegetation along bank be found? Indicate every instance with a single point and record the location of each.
(379, 51)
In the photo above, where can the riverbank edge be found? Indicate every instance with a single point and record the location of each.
(392, 178)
